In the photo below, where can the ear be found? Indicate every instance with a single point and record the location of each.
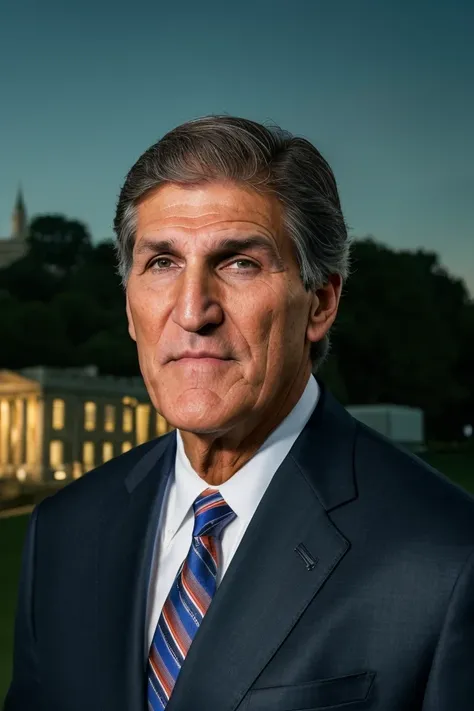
(131, 325)
(324, 306)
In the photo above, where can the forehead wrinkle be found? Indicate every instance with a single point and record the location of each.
(218, 215)
(236, 204)
(175, 222)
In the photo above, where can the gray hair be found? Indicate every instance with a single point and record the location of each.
(265, 158)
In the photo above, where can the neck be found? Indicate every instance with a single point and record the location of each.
(216, 458)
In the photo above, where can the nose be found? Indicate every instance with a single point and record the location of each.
(196, 307)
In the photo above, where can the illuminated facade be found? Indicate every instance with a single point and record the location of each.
(56, 424)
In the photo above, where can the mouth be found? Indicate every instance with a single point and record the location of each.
(200, 356)
(201, 360)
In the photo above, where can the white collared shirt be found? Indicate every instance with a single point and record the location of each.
(242, 492)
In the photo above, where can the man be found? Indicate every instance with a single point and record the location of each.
(271, 554)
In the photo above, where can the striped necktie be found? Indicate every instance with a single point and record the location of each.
(188, 599)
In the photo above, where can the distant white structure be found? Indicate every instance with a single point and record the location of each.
(404, 425)
(58, 423)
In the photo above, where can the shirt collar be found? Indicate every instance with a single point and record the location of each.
(244, 490)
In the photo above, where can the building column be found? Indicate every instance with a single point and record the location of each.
(40, 440)
(18, 432)
(4, 435)
(14, 435)
(32, 453)
(24, 422)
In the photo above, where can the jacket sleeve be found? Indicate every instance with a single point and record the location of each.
(451, 681)
(24, 691)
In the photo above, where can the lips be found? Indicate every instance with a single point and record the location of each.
(200, 355)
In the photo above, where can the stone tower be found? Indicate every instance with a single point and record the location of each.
(19, 218)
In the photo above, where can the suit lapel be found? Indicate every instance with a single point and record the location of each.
(268, 586)
(126, 543)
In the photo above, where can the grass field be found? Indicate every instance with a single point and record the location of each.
(458, 466)
(12, 533)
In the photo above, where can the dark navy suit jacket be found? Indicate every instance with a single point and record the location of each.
(383, 620)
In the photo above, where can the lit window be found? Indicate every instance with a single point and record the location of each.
(161, 425)
(107, 451)
(129, 401)
(76, 470)
(88, 455)
(90, 412)
(58, 414)
(56, 454)
(109, 421)
(143, 423)
(127, 420)
(126, 447)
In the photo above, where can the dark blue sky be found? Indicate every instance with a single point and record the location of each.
(383, 88)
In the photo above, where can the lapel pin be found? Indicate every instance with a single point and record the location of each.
(306, 556)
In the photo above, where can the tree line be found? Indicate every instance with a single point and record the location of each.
(404, 333)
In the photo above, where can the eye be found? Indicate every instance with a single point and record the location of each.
(160, 263)
(243, 265)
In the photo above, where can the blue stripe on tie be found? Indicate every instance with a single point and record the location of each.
(154, 690)
(189, 619)
(189, 606)
(203, 566)
(176, 652)
(168, 657)
(188, 613)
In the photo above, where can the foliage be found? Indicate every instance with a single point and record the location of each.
(59, 243)
(405, 335)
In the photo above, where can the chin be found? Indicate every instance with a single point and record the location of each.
(205, 423)
(201, 429)
(202, 415)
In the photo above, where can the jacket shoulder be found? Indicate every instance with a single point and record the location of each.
(411, 488)
(100, 483)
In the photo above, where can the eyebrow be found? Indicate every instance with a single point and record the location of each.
(228, 245)
(154, 245)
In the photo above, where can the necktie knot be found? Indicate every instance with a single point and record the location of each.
(211, 514)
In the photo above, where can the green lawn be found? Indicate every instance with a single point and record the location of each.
(12, 533)
(458, 466)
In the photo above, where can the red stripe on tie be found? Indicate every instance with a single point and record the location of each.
(172, 628)
(209, 545)
(160, 672)
(193, 594)
(208, 507)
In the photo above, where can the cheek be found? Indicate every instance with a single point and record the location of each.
(148, 315)
(289, 329)
(252, 315)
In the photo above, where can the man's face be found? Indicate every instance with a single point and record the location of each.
(216, 305)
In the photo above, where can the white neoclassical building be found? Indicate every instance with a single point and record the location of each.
(56, 424)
